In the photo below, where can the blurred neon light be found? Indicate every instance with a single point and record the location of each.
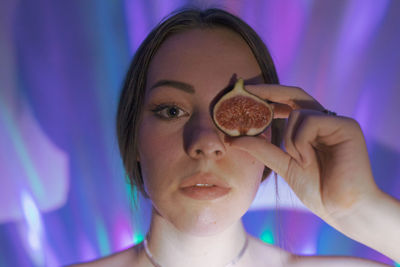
(86, 249)
(102, 238)
(309, 248)
(122, 232)
(28, 160)
(31, 212)
(32, 231)
(268, 236)
(17, 141)
(138, 237)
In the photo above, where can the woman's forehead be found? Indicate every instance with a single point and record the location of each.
(203, 42)
(202, 53)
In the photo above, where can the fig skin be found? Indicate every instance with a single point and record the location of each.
(241, 113)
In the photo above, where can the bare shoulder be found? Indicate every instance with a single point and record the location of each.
(267, 253)
(331, 261)
(122, 258)
(276, 256)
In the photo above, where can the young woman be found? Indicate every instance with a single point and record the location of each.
(201, 182)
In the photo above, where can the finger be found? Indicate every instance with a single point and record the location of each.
(294, 97)
(267, 153)
(303, 133)
(312, 129)
(281, 111)
(293, 123)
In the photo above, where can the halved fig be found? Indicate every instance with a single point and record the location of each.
(239, 112)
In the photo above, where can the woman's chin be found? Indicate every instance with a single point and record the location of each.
(201, 218)
(206, 223)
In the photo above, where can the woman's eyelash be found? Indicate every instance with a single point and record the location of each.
(159, 110)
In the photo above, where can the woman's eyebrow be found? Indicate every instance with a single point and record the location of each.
(188, 88)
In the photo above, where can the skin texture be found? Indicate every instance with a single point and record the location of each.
(325, 162)
(168, 147)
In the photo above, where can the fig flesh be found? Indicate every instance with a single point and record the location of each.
(239, 112)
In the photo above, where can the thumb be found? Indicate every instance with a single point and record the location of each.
(269, 154)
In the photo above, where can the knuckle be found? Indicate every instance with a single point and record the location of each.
(351, 123)
(297, 88)
(354, 126)
(354, 123)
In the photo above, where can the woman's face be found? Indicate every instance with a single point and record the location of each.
(179, 146)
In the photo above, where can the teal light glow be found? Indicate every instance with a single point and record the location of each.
(17, 140)
(102, 238)
(396, 264)
(135, 195)
(137, 238)
(268, 236)
(132, 192)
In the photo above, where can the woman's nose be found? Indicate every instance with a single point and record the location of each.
(204, 140)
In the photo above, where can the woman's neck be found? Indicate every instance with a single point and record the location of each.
(171, 247)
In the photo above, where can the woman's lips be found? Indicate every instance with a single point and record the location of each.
(205, 192)
(204, 186)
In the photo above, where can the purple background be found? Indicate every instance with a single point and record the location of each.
(63, 197)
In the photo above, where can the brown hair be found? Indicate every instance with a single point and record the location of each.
(133, 91)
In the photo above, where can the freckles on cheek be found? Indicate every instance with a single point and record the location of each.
(160, 150)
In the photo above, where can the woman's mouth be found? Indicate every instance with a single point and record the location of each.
(204, 187)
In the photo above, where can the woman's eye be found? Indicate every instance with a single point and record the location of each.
(168, 111)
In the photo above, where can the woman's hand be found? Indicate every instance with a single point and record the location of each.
(326, 164)
(326, 161)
